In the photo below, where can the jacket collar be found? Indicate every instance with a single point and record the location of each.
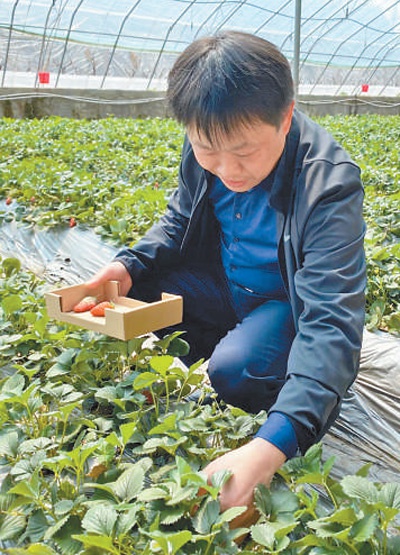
(282, 187)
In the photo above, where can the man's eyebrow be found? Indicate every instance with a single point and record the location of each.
(207, 146)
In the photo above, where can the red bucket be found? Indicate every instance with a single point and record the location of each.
(44, 77)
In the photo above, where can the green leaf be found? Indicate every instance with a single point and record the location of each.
(126, 521)
(206, 516)
(172, 542)
(178, 347)
(9, 443)
(25, 489)
(364, 529)
(11, 265)
(264, 534)
(100, 520)
(103, 542)
(230, 514)
(53, 530)
(13, 386)
(161, 364)
(390, 495)
(167, 426)
(358, 487)
(345, 516)
(152, 494)
(63, 538)
(62, 507)
(144, 380)
(33, 549)
(37, 526)
(11, 526)
(127, 430)
(129, 484)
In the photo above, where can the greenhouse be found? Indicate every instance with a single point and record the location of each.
(199, 277)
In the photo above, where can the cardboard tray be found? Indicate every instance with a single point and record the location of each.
(129, 318)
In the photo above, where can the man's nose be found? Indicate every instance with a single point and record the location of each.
(228, 167)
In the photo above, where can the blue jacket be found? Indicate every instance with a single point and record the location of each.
(318, 196)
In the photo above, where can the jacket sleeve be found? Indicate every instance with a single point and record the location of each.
(330, 283)
(161, 245)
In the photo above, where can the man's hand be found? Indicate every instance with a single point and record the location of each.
(113, 272)
(252, 464)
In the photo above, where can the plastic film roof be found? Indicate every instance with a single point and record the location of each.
(342, 43)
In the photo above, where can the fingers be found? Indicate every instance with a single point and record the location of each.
(112, 272)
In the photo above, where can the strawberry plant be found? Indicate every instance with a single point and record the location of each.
(90, 466)
(100, 450)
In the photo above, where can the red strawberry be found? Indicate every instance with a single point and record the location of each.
(149, 396)
(72, 222)
(85, 304)
(8, 201)
(100, 309)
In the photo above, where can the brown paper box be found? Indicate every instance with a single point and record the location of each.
(129, 318)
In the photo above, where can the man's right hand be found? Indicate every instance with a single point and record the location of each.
(115, 271)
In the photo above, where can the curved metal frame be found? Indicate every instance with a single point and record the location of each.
(67, 40)
(14, 8)
(345, 40)
(125, 19)
(311, 49)
(360, 56)
(155, 66)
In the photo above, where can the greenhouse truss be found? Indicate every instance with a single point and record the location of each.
(335, 47)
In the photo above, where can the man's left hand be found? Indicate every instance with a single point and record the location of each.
(252, 464)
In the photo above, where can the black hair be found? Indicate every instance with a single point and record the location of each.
(224, 81)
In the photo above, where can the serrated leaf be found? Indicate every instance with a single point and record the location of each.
(172, 542)
(219, 479)
(11, 526)
(37, 526)
(33, 445)
(126, 521)
(9, 443)
(103, 542)
(326, 529)
(52, 530)
(364, 529)
(358, 487)
(100, 520)
(230, 514)
(129, 484)
(346, 516)
(152, 494)
(390, 495)
(64, 537)
(62, 507)
(264, 534)
(206, 516)
(172, 515)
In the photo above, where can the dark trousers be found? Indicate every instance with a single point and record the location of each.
(246, 337)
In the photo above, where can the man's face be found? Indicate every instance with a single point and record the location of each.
(245, 157)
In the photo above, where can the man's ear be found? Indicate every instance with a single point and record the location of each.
(287, 119)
